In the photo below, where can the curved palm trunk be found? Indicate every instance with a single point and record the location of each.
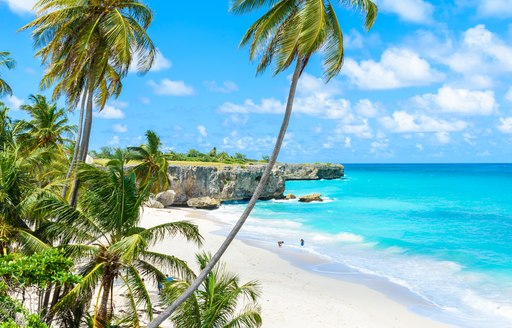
(104, 315)
(259, 189)
(77, 145)
(84, 145)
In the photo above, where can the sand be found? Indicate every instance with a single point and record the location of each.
(292, 295)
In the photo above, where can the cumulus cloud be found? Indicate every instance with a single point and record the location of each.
(495, 8)
(13, 102)
(110, 113)
(202, 131)
(459, 101)
(404, 122)
(416, 11)
(398, 68)
(361, 130)
(168, 87)
(366, 108)
(120, 128)
(443, 137)
(159, 64)
(20, 6)
(225, 87)
(505, 125)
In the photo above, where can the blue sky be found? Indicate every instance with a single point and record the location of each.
(432, 82)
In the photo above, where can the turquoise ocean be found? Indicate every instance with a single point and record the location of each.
(443, 232)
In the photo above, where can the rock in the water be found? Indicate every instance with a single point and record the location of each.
(166, 197)
(311, 198)
(153, 203)
(206, 203)
(290, 196)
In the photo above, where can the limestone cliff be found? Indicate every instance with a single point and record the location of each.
(239, 182)
(313, 171)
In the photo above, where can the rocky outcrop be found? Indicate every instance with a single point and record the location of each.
(311, 198)
(166, 198)
(290, 197)
(230, 182)
(205, 203)
(154, 203)
(222, 183)
(313, 171)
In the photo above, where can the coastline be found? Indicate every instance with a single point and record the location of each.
(293, 293)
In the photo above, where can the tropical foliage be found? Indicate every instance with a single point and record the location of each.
(103, 235)
(216, 303)
(152, 171)
(5, 62)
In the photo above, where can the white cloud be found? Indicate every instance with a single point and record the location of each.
(145, 100)
(362, 130)
(114, 141)
(469, 138)
(348, 142)
(225, 87)
(416, 11)
(404, 122)
(159, 64)
(459, 101)
(110, 113)
(398, 68)
(120, 128)
(171, 88)
(353, 40)
(506, 125)
(508, 95)
(495, 8)
(443, 137)
(202, 131)
(366, 108)
(13, 102)
(20, 6)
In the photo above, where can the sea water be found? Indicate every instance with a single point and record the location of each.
(443, 231)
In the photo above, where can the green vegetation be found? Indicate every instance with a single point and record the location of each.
(5, 62)
(216, 303)
(192, 157)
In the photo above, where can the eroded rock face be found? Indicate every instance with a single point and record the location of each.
(223, 183)
(166, 197)
(311, 198)
(153, 203)
(206, 203)
(313, 171)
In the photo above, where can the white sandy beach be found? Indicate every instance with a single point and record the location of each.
(291, 296)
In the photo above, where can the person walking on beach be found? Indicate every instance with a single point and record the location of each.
(280, 243)
(302, 242)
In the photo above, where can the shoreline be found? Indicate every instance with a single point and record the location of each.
(293, 292)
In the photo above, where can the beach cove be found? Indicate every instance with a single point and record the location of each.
(292, 296)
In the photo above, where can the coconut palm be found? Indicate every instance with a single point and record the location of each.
(6, 62)
(5, 127)
(17, 186)
(216, 302)
(153, 166)
(290, 32)
(102, 233)
(47, 128)
(88, 47)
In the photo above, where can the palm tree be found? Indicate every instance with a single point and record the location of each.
(103, 235)
(6, 127)
(88, 47)
(47, 128)
(153, 166)
(215, 304)
(17, 186)
(9, 63)
(290, 32)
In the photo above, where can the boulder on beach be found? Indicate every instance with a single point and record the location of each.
(153, 203)
(290, 196)
(311, 198)
(166, 197)
(206, 203)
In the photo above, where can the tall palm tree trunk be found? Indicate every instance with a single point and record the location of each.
(77, 145)
(104, 315)
(259, 189)
(84, 144)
